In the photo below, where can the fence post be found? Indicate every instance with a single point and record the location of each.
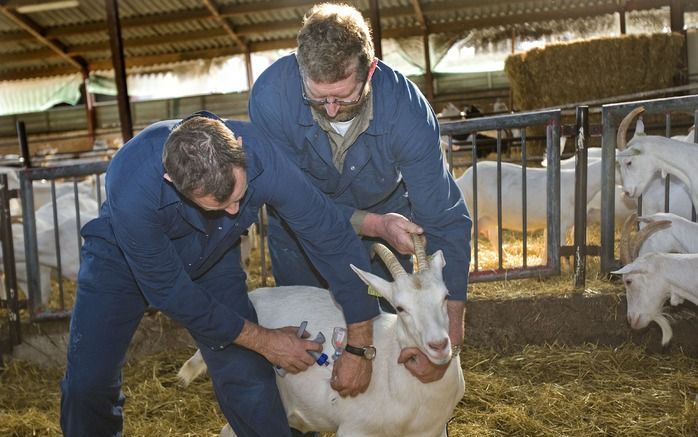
(8, 260)
(580, 195)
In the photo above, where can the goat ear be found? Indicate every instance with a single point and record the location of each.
(381, 285)
(627, 152)
(437, 261)
(633, 267)
(639, 127)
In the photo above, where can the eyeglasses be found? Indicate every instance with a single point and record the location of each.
(314, 102)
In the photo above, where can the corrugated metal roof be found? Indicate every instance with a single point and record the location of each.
(154, 31)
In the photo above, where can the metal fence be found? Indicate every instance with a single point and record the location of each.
(515, 132)
(506, 126)
(611, 115)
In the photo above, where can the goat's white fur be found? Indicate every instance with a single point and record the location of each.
(653, 278)
(680, 237)
(45, 234)
(396, 403)
(512, 211)
(647, 155)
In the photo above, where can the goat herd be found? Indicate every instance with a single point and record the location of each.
(660, 262)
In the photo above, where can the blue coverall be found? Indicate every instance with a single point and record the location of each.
(396, 166)
(150, 246)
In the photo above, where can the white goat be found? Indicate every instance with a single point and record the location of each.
(654, 277)
(645, 155)
(679, 236)
(46, 231)
(396, 403)
(536, 195)
(624, 205)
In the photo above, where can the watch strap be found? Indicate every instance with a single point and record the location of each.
(355, 350)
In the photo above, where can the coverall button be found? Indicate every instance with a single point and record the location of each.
(352, 168)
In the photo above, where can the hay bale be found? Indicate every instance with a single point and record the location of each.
(565, 73)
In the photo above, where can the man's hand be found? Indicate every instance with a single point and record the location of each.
(419, 365)
(417, 362)
(280, 346)
(351, 375)
(394, 228)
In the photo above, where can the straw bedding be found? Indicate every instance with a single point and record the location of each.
(551, 390)
(538, 391)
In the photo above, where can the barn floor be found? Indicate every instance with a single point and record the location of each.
(538, 391)
(541, 359)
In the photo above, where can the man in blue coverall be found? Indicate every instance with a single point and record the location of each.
(179, 195)
(367, 137)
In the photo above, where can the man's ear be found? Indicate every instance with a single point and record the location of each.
(167, 177)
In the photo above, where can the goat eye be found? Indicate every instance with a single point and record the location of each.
(399, 309)
(628, 164)
(628, 281)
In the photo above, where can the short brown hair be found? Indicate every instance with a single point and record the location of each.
(199, 156)
(332, 39)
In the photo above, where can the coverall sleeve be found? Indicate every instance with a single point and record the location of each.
(326, 236)
(435, 200)
(159, 270)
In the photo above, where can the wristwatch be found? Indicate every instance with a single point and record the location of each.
(368, 352)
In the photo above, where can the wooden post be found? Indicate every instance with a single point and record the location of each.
(90, 114)
(428, 76)
(117, 56)
(248, 69)
(374, 11)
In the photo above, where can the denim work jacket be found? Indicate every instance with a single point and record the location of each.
(186, 261)
(395, 166)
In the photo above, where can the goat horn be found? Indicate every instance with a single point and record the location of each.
(644, 233)
(621, 141)
(625, 253)
(388, 257)
(420, 253)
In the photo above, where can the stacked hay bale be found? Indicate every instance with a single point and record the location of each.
(565, 73)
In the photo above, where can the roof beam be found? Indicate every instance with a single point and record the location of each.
(420, 14)
(250, 8)
(142, 61)
(213, 9)
(238, 10)
(39, 34)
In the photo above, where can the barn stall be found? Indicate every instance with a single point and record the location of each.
(543, 357)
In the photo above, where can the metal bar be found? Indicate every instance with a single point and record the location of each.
(8, 259)
(23, 144)
(667, 180)
(695, 141)
(500, 249)
(31, 251)
(524, 197)
(580, 196)
(119, 65)
(474, 213)
(76, 170)
(57, 242)
(503, 121)
(553, 193)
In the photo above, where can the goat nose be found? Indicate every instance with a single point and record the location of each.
(438, 346)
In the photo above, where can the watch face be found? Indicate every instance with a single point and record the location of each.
(369, 352)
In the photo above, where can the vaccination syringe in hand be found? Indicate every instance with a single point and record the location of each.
(320, 357)
(339, 341)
